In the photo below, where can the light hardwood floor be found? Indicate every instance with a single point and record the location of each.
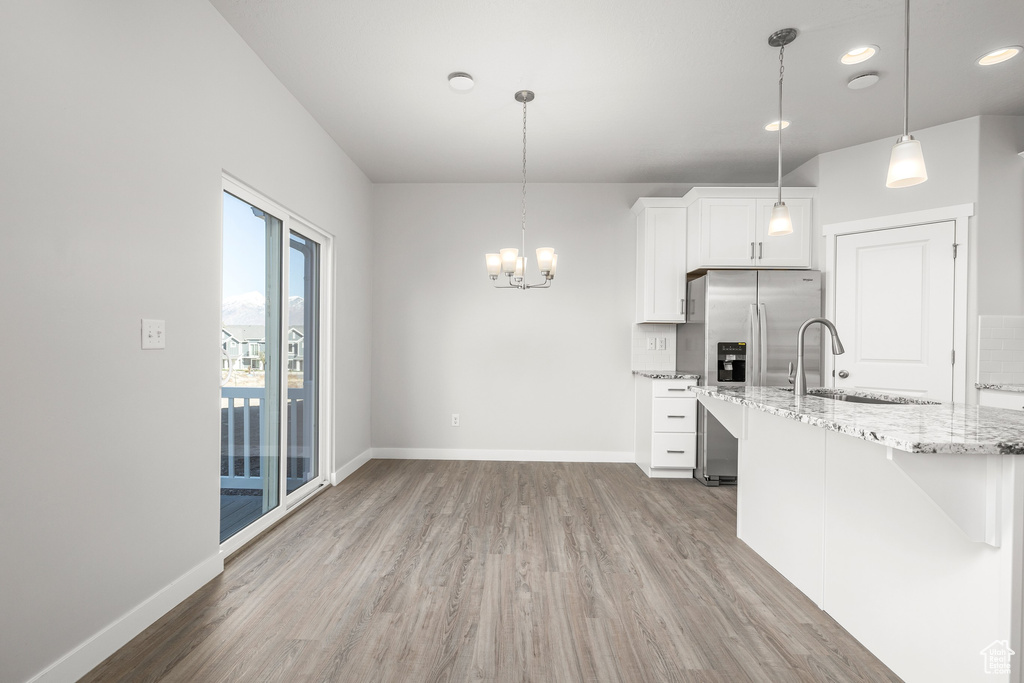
(481, 571)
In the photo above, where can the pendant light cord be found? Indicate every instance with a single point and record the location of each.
(524, 182)
(782, 71)
(906, 70)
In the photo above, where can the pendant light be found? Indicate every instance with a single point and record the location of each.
(780, 222)
(906, 164)
(508, 261)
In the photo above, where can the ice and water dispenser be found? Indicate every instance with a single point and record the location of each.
(732, 362)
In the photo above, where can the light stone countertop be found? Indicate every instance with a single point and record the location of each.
(937, 428)
(1001, 387)
(667, 374)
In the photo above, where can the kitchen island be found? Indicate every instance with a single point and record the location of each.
(902, 521)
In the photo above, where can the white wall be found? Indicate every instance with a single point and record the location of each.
(1000, 216)
(544, 370)
(119, 119)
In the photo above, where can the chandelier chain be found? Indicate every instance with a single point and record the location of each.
(524, 178)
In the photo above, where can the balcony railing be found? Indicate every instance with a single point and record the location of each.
(242, 437)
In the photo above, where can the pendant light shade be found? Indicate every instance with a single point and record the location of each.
(906, 163)
(780, 222)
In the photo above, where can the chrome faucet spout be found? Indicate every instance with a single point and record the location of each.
(800, 388)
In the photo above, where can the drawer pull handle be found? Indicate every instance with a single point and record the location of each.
(675, 451)
(677, 416)
(671, 389)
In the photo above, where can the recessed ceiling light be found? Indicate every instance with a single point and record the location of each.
(774, 126)
(862, 81)
(859, 54)
(460, 81)
(1000, 55)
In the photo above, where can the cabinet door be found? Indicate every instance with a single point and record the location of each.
(661, 265)
(727, 229)
(785, 251)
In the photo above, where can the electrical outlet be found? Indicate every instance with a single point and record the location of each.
(652, 343)
(153, 334)
(455, 419)
(662, 343)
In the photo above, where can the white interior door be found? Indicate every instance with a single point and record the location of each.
(894, 310)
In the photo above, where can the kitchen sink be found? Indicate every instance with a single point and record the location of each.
(876, 400)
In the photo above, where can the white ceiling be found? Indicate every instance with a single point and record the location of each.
(627, 90)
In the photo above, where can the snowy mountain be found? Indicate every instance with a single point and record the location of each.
(243, 309)
(250, 309)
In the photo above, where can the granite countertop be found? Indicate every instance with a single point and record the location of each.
(1001, 387)
(667, 374)
(912, 427)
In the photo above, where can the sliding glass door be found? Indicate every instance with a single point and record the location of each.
(270, 361)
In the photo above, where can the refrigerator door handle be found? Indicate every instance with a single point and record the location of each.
(762, 344)
(754, 355)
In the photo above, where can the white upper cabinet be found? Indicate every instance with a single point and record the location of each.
(660, 261)
(728, 228)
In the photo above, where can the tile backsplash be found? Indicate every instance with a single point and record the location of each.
(1001, 349)
(658, 359)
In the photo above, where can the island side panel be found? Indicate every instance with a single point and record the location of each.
(905, 580)
(780, 503)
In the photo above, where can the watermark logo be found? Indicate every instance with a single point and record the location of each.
(997, 657)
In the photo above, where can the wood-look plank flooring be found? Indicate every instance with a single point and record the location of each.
(482, 571)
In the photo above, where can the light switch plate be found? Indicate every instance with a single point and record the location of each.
(153, 334)
(652, 343)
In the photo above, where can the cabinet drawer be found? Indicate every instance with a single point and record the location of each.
(674, 450)
(674, 415)
(673, 388)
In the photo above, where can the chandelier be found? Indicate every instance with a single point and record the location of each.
(507, 261)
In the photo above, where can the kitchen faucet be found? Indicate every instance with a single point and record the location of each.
(800, 389)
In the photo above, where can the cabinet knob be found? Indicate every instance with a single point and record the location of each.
(843, 374)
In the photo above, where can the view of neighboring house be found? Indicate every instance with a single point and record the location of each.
(244, 347)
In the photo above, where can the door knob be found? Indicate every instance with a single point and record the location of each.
(843, 374)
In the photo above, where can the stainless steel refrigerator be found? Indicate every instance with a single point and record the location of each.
(741, 331)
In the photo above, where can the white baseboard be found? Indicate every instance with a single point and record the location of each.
(500, 455)
(351, 466)
(86, 656)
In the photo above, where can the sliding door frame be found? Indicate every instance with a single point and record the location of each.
(291, 222)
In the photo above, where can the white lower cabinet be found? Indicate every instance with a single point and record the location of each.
(665, 439)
